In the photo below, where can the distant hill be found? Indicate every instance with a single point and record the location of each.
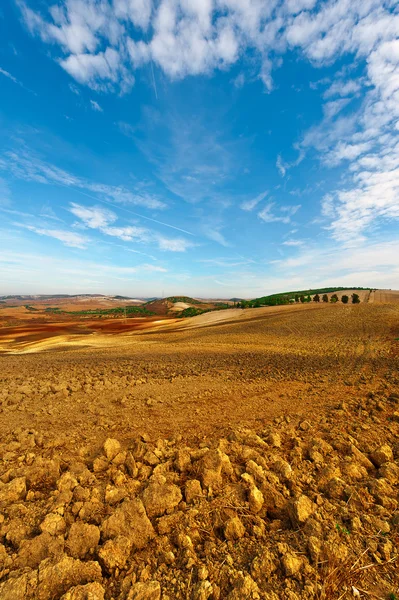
(61, 296)
(185, 299)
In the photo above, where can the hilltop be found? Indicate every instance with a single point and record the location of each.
(183, 306)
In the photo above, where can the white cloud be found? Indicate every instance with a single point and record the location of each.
(128, 234)
(331, 109)
(93, 217)
(101, 44)
(136, 11)
(104, 220)
(95, 106)
(343, 88)
(344, 151)
(367, 264)
(268, 216)
(284, 166)
(68, 238)
(173, 245)
(249, 205)
(197, 36)
(296, 243)
(153, 269)
(103, 71)
(216, 235)
(280, 166)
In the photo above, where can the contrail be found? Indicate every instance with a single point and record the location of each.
(153, 80)
(127, 210)
(152, 70)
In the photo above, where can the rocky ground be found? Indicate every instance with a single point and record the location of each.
(302, 504)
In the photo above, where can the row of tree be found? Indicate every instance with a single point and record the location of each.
(334, 298)
(355, 299)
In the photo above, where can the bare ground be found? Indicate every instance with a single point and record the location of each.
(259, 411)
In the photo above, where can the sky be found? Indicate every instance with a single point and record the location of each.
(212, 148)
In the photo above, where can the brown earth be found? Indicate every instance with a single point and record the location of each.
(255, 457)
(385, 296)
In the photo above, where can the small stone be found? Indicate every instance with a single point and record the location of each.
(159, 497)
(283, 469)
(13, 491)
(234, 529)
(192, 490)
(145, 591)
(300, 510)
(202, 590)
(67, 482)
(245, 587)
(131, 521)
(213, 465)
(183, 460)
(390, 471)
(90, 591)
(255, 499)
(353, 471)
(33, 551)
(113, 495)
(292, 564)
(111, 448)
(274, 440)
(314, 548)
(19, 588)
(119, 459)
(56, 579)
(100, 464)
(263, 566)
(82, 539)
(114, 553)
(54, 524)
(382, 455)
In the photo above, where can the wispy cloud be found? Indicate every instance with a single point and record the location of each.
(269, 216)
(68, 238)
(249, 205)
(344, 88)
(95, 106)
(226, 263)
(193, 158)
(283, 166)
(104, 220)
(282, 169)
(295, 243)
(26, 165)
(214, 234)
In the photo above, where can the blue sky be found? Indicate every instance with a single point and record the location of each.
(207, 147)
